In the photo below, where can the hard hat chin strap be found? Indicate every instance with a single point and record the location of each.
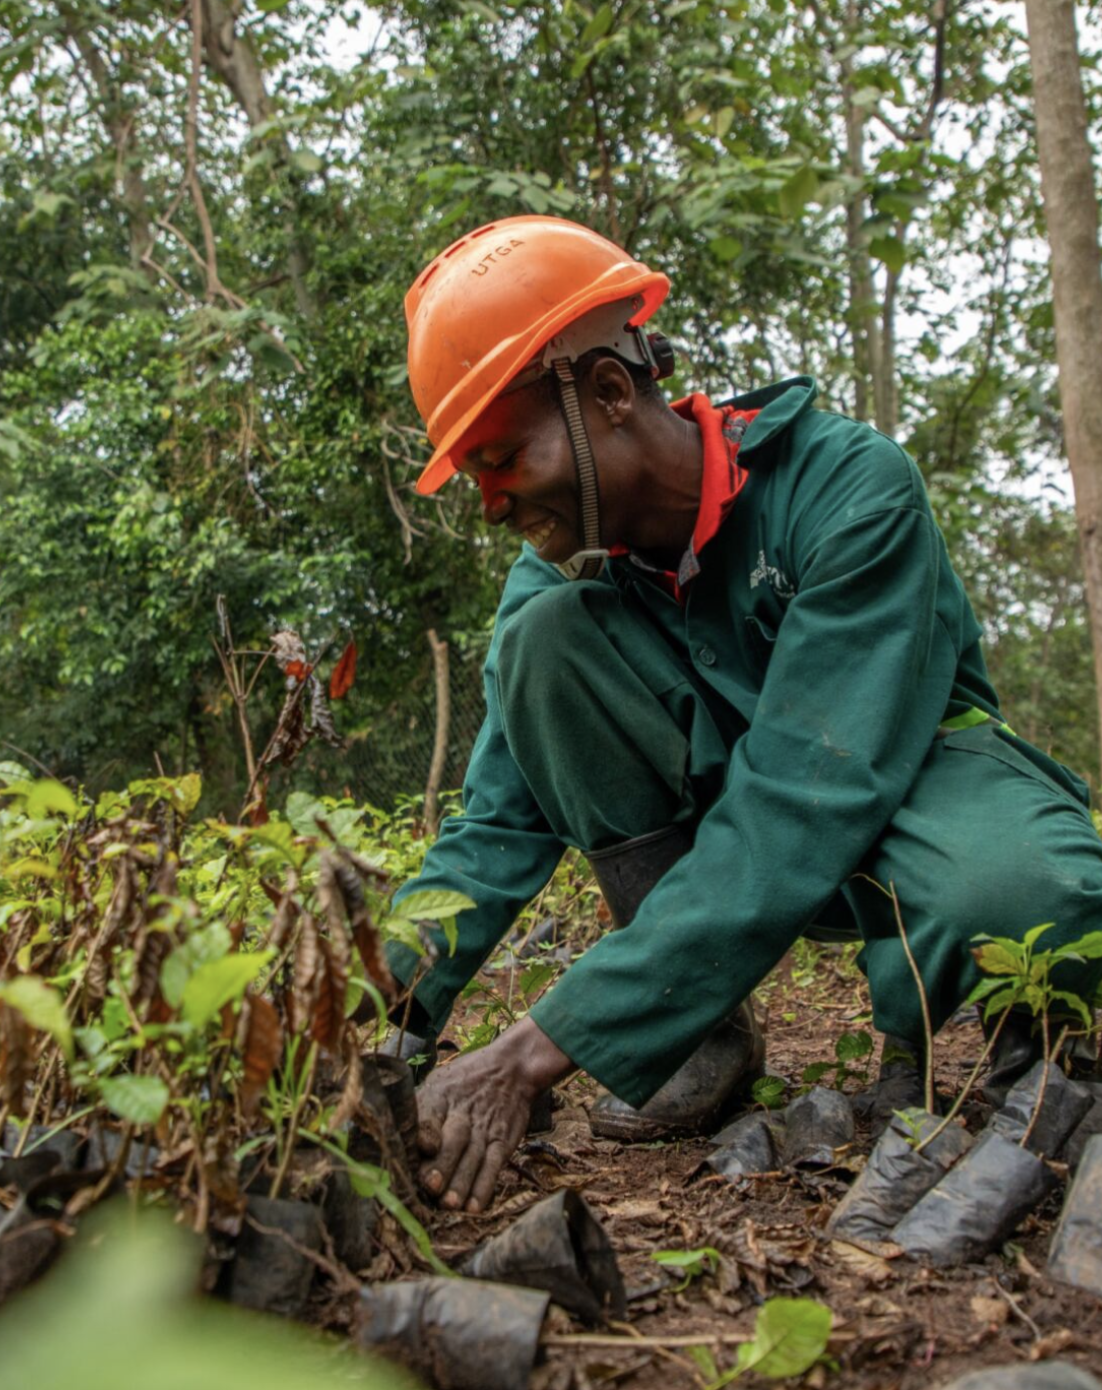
(590, 561)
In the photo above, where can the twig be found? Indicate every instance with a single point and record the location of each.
(345, 1282)
(288, 710)
(970, 1081)
(604, 1339)
(928, 1070)
(1019, 1312)
(7, 743)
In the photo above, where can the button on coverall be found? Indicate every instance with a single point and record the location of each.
(792, 709)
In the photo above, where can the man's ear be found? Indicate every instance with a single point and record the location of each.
(610, 384)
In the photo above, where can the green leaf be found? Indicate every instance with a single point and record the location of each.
(597, 27)
(201, 948)
(851, 1046)
(1077, 1005)
(1035, 933)
(433, 905)
(272, 6)
(790, 1335)
(219, 982)
(691, 1263)
(768, 1091)
(800, 189)
(181, 793)
(139, 1099)
(536, 977)
(725, 248)
(890, 251)
(306, 161)
(1002, 957)
(41, 1007)
(369, 1181)
(49, 796)
(815, 1072)
(1088, 947)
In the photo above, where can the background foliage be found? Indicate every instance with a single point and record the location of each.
(209, 217)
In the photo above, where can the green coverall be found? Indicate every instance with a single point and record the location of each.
(793, 708)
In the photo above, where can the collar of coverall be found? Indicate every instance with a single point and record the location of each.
(729, 432)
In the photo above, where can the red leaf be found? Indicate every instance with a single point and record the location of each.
(298, 670)
(344, 673)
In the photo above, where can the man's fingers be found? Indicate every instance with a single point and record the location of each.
(466, 1171)
(456, 1135)
(493, 1160)
(430, 1133)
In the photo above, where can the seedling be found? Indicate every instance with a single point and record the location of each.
(850, 1047)
(790, 1336)
(692, 1264)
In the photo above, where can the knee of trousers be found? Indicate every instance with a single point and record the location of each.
(552, 639)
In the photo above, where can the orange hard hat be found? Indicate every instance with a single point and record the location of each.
(484, 307)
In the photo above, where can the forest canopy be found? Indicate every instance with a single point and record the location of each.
(209, 218)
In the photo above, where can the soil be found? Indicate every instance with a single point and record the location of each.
(896, 1325)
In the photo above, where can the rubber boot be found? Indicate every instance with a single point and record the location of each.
(900, 1085)
(1021, 1043)
(702, 1093)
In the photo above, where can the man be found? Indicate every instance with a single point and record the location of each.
(733, 665)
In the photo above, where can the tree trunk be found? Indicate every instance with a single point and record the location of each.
(1071, 211)
(443, 721)
(862, 292)
(119, 124)
(234, 60)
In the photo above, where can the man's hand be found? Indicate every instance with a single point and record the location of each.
(474, 1112)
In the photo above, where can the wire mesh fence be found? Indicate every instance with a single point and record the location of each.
(391, 757)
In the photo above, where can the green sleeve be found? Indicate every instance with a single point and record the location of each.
(500, 852)
(858, 680)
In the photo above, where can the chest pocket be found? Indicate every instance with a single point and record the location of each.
(763, 639)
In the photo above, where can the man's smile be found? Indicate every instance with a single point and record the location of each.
(539, 533)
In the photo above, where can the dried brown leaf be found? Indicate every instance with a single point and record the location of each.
(992, 1312)
(305, 982)
(321, 717)
(353, 1092)
(16, 1060)
(262, 1047)
(863, 1263)
(327, 1025)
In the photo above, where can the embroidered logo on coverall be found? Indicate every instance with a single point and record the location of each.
(777, 580)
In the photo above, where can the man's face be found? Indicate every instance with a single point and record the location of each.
(519, 454)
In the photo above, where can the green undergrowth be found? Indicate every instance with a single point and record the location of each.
(210, 992)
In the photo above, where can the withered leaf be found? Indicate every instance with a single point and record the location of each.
(305, 981)
(332, 985)
(262, 1048)
(344, 673)
(16, 1060)
(353, 1093)
(321, 718)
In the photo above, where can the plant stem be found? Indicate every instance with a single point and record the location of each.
(928, 1070)
(954, 1109)
(1049, 1058)
(301, 1092)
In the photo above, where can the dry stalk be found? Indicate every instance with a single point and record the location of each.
(970, 1081)
(928, 1069)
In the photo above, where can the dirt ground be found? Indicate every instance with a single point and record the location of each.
(897, 1326)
